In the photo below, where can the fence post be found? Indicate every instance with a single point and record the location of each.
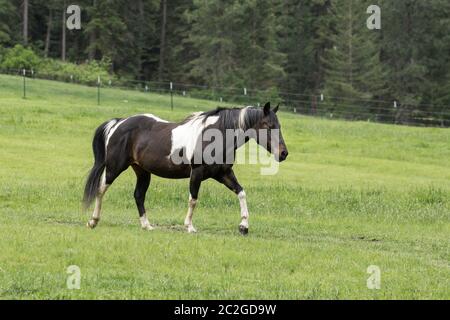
(24, 72)
(98, 91)
(171, 96)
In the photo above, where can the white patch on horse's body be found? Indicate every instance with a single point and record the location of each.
(145, 224)
(188, 134)
(112, 130)
(244, 210)
(112, 126)
(149, 115)
(109, 126)
(108, 131)
(188, 220)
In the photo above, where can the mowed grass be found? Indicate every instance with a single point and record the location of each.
(350, 195)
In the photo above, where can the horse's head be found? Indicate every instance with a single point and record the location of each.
(269, 133)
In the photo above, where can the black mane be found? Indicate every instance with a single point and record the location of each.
(217, 111)
(235, 118)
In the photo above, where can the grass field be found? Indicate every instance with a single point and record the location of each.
(350, 195)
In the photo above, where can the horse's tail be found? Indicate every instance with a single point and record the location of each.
(99, 149)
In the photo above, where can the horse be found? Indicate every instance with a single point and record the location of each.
(151, 145)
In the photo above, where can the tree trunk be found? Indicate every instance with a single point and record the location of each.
(63, 38)
(92, 39)
(92, 51)
(163, 40)
(49, 31)
(25, 22)
(350, 43)
(141, 38)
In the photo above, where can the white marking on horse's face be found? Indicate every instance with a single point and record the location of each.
(190, 133)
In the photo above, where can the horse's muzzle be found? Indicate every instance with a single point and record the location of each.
(283, 155)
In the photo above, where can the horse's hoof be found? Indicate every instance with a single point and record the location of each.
(148, 228)
(191, 229)
(91, 224)
(243, 230)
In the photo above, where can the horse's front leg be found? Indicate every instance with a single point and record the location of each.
(194, 187)
(230, 181)
(142, 184)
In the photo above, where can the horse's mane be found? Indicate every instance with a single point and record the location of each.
(218, 111)
(231, 118)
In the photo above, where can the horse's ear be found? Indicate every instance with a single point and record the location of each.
(276, 108)
(267, 108)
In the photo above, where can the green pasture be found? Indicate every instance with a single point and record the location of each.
(351, 195)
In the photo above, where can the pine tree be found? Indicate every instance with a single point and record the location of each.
(296, 42)
(107, 31)
(210, 37)
(140, 19)
(6, 18)
(178, 53)
(302, 39)
(236, 43)
(354, 74)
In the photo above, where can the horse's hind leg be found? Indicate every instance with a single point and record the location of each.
(92, 223)
(142, 184)
(107, 178)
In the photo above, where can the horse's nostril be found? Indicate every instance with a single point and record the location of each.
(284, 154)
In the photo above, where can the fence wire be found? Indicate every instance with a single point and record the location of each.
(332, 107)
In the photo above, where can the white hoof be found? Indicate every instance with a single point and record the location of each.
(191, 229)
(145, 224)
(91, 224)
(148, 227)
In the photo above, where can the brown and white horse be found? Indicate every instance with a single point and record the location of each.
(151, 145)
